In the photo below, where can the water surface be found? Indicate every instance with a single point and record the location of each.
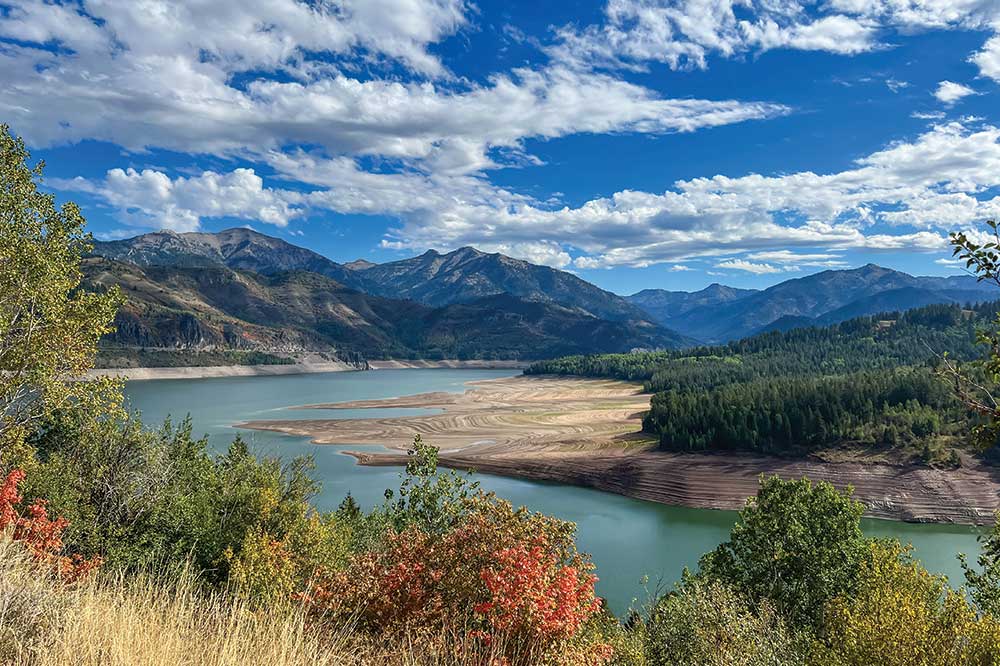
(629, 539)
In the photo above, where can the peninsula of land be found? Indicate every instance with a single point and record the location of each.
(588, 432)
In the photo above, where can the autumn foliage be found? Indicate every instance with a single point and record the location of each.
(513, 578)
(42, 535)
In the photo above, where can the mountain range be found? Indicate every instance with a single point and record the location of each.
(239, 289)
(720, 314)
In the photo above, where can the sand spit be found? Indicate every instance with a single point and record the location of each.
(587, 432)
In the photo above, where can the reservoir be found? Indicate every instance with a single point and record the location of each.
(630, 540)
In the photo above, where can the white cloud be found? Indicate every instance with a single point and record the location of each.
(245, 35)
(685, 33)
(241, 80)
(679, 268)
(945, 179)
(749, 267)
(896, 85)
(197, 78)
(939, 182)
(785, 257)
(953, 263)
(150, 198)
(988, 59)
(950, 92)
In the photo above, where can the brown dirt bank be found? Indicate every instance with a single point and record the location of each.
(302, 367)
(586, 432)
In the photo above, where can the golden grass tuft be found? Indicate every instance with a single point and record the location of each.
(113, 620)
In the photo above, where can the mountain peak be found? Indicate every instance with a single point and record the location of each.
(466, 251)
(359, 265)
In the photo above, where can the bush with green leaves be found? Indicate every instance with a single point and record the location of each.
(796, 546)
(142, 498)
(708, 624)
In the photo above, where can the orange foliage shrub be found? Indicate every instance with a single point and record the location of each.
(42, 535)
(507, 577)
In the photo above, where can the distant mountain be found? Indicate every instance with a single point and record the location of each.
(824, 298)
(468, 274)
(241, 249)
(432, 278)
(664, 305)
(214, 307)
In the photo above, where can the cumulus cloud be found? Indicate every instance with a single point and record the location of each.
(278, 85)
(151, 199)
(245, 35)
(679, 268)
(202, 75)
(748, 266)
(950, 92)
(988, 59)
(946, 178)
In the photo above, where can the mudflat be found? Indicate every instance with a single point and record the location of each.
(588, 432)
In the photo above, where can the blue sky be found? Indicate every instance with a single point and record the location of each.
(637, 143)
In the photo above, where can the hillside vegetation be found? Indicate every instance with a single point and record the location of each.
(867, 382)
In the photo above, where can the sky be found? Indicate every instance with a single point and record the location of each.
(637, 143)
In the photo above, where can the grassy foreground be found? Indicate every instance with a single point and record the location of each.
(111, 619)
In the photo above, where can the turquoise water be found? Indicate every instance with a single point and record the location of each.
(628, 538)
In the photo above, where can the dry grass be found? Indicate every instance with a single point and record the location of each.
(115, 621)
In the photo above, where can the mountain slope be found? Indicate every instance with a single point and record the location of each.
(241, 249)
(821, 297)
(468, 274)
(432, 278)
(215, 307)
(663, 305)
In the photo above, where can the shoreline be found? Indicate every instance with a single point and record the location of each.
(213, 371)
(588, 433)
(724, 482)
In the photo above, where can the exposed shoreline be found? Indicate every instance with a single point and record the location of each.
(587, 433)
(210, 371)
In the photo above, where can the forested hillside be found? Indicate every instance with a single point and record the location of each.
(867, 381)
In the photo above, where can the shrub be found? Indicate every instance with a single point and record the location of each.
(512, 578)
(39, 533)
(796, 545)
(901, 615)
(984, 582)
(707, 624)
(142, 498)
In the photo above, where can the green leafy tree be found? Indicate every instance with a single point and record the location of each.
(901, 615)
(983, 581)
(49, 327)
(796, 546)
(976, 383)
(427, 498)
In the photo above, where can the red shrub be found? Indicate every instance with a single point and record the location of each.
(506, 577)
(41, 534)
(530, 593)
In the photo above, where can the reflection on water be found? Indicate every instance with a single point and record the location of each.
(627, 538)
